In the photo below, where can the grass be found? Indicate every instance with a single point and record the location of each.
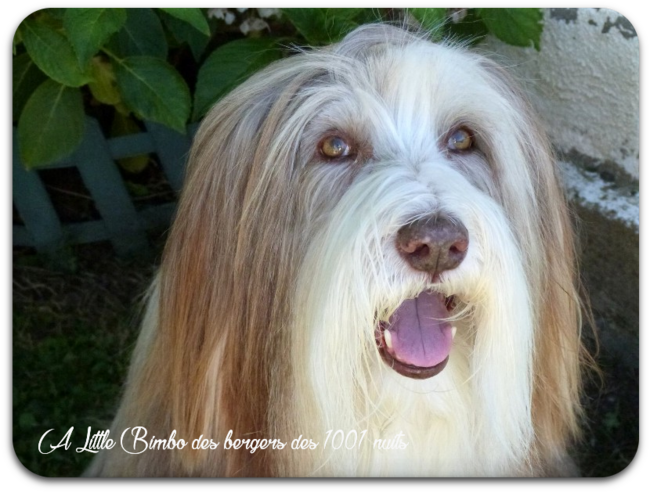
(73, 332)
(75, 324)
(62, 380)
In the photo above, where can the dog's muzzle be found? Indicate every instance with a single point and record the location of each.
(416, 340)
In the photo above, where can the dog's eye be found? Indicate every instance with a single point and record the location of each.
(334, 147)
(460, 140)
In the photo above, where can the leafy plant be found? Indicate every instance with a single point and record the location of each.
(171, 65)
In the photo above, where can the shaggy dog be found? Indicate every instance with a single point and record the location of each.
(371, 255)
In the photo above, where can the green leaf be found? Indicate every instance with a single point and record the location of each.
(154, 90)
(53, 54)
(57, 13)
(185, 33)
(89, 29)
(228, 66)
(431, 19)
(370, 16)
(323, 26)
(51, 124)
(142, 35)
(194, 17)
(518, 27)
(26, 78)
(17, 40)
(104, 87)
(125, 125)
(51, 17)
(470, 30)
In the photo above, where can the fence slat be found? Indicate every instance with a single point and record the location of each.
(103, 180)
(131, 145)
(35, 207)
(87, 232)
(120, 222)
(173, 149)
(22, 237)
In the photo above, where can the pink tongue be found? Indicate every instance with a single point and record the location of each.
(418, 336)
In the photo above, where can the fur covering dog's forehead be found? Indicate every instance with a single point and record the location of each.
(397, 97)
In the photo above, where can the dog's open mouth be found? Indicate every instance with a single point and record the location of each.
(416, 340)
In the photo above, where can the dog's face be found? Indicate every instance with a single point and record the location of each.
(398, 168)
(357, 220)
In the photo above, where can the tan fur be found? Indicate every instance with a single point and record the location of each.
(214, 352)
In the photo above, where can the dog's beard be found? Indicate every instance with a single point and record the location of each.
(354, 285)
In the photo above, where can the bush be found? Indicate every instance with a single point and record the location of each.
(170, 66)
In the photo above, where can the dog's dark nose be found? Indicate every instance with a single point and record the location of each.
(433, 244)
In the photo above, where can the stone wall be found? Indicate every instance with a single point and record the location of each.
(584, 83)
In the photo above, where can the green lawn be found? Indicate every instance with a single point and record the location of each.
(73, 333)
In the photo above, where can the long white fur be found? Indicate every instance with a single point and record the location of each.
(475, 418)
(352, 269)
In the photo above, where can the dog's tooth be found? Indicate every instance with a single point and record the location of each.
(388, 338)
(453, 331)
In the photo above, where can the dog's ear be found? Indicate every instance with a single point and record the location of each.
(558, 347)
(543, 226)
(225, 272)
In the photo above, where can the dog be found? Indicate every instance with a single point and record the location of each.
(373, 264)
